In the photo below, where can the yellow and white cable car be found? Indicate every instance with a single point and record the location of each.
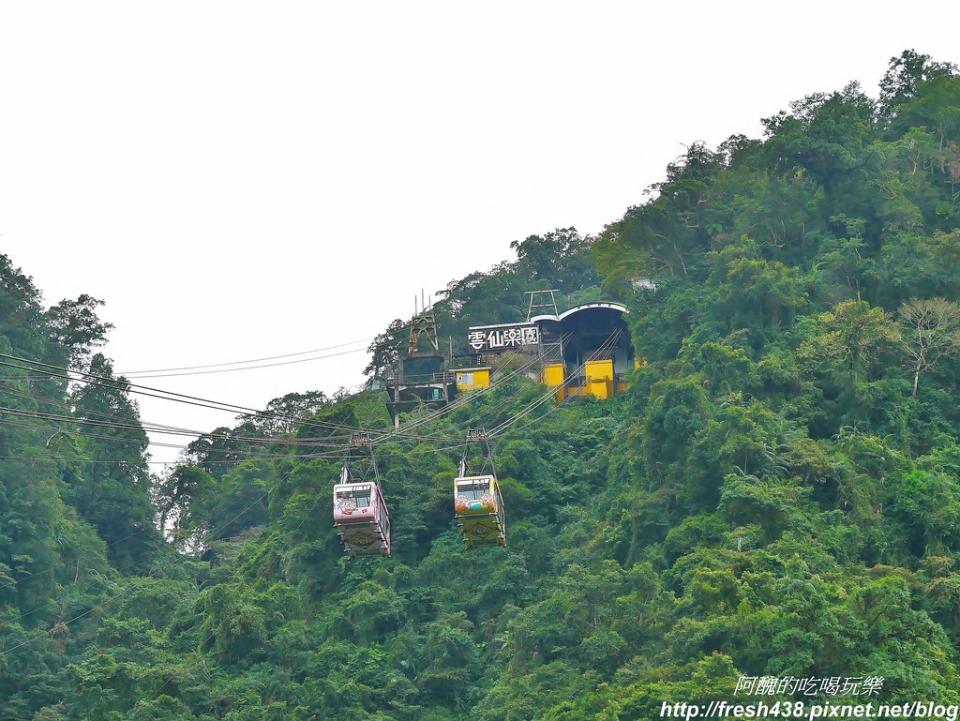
(477, 501)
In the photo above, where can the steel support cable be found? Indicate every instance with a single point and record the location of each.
(455, 405)
(507, 401)
(149, 428)
(499, 383)
(160, 428)
(463, 400)
(467, 398)
(64, 404)
(161, 394)
(61, 372)
(329, 441)
(246, 368)
(41, 415)
(232, 408)
(241, 362)
(34, 460)
(553, 391)
(79, 434)
(246, 454)
(89, 421)
(608, 343)
(478, 393)
(498, 430)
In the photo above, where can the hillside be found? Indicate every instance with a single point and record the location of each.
(777, 494)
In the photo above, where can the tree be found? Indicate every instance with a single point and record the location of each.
(855, 335)
(113, 491)
(290, 408)
(936, 106)
(75, 326)
(175, 494)
(558, 259)
(931, 333)
(904, 74)
(386, 348)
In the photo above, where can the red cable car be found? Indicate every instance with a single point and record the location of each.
(360, 512)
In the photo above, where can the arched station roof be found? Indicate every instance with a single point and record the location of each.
(604, 305)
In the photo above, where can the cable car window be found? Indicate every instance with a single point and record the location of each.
(473, 491)
(360, 497)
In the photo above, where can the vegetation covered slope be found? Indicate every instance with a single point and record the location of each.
(776, 494)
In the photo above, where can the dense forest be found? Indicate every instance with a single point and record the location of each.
(778, 493)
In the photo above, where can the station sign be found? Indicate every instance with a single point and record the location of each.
(504, 336)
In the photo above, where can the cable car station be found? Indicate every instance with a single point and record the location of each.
(583, 351)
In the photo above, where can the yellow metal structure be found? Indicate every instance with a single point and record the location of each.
(469, 379)
(599, 378)
(553, 377)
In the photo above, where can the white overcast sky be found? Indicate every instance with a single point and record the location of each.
(242, 179)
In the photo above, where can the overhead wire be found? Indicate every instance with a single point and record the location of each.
(608, 343)
(149, 428)
(118, 384)
(475, 394)
(174, 430)
(245, 368)
(501, 428)
(126, 424)
(403, 432)
(467, 397)
(241, 362)
(169, 430)
(62, 403)
(245, 455)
